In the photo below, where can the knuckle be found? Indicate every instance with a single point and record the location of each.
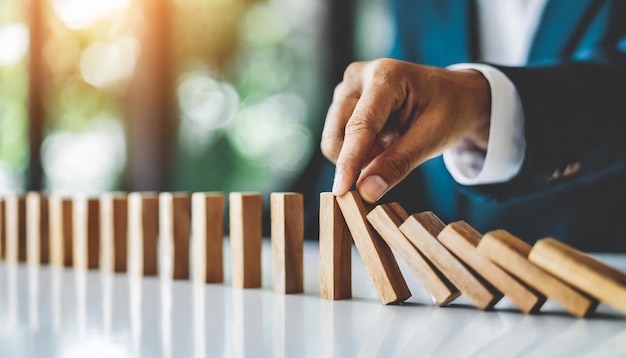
(361, 123)
(352, 70)
(330, 147)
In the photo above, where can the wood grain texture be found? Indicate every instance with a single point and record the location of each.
(113, 232)
(287, 236)
(422, 230)
(86, 233)
(335, 251)
(37, 229)
(511, 253)
(246, 235)
(174, 231)
(207, 222)
(581, 271)
(15, 228)
(60, 210)
(386, 219)
(461, 239)
(143, 231)
(377, 256)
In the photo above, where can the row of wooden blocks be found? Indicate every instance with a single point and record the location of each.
(123, 232)
(455, 259)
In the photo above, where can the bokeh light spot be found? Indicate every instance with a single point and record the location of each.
(103, 64)
(14, 40)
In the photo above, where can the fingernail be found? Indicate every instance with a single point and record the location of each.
(337, 182)
(373, 188)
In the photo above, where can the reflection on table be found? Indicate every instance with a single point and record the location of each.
(50, 311)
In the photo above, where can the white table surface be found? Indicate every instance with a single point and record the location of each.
(52, 312)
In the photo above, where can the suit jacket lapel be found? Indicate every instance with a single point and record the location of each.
(551, 38)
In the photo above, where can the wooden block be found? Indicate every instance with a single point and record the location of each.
(422, 229)
(143, 231)
(511, 253)
(37, 229)
(86, 253)
(461, 239)
(335, 251)
(246, 235)
(174, 230)
(581, 271)
(377, 256)
(60, 212)
(3, 240)
(386, 219)
(207, 222)
(287, 235)
(113, 232)
(16, 228)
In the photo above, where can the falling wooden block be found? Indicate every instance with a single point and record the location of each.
(3, 238)
(335, 251)
(207, 222)
(287, 235)
(511, 253)
(581, 271)
(422, 229)
(386, 219)
(174, 231)
(15, 228)
(246, 235)
(37, 229)
(86, 255)
(113, 232)
(60, 211)
(143, 231)
(462, 239)
(377, 256)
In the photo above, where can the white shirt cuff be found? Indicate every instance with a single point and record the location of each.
(469, 165)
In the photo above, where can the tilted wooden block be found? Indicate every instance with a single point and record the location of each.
(386, 219)
(143, 231)
(60, 210)
(15, 228)
(37, 229)
(113, 232)
(377, 256)
(3, 236)
(581, 271)
(422, 229)
(174, 230)
(461, 239)
(335, 251)
(86, 233)
(511, 253)
(287, 235)
(246, 235)
(207, 222)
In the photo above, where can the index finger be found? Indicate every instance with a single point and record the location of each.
(367, 120)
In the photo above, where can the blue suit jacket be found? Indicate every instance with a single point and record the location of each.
(573, 93)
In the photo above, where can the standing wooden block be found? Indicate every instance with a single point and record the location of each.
(207, 222)
(422, 229)
(113, 232)
(335, 251)
(581, 271)
(143, 231)
(3, 237)
(246, 235)
(386, 219)
(174, 230)
(287, 231)
(60, 211)
(511, 253)
(86, 254)
(16, 228)
(377, 256)
(37, 229)
(462, 239)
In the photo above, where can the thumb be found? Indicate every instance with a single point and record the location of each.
(384, 172)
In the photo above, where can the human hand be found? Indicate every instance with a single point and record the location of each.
(388, 116)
